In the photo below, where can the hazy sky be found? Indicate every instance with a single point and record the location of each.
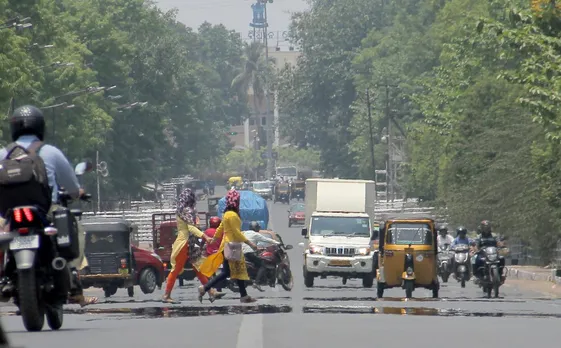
(234, 14)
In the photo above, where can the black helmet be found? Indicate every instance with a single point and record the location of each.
(461, 230)
(485, 227)
(27, 120)
(254, 225)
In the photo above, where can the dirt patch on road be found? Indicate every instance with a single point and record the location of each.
(547, 288)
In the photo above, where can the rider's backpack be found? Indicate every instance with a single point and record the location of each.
(23, 179)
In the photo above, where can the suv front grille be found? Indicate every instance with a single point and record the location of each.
(339, 251)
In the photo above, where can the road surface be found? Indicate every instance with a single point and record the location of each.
(329, 315)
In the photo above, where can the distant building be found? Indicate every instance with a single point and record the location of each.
(243, 135)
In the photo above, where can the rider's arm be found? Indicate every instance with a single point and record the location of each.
(64, 173)
(261, 238)
(196, 232)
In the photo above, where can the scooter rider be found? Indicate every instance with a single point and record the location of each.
(443, 236)
(461, 237)
(254, 236)
(27, 126)
(486, 239)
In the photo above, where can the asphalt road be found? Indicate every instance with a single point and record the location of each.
(329, 315)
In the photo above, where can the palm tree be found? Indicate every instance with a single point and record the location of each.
(254, 74)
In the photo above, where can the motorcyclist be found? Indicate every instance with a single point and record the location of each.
(27, 125)
(486, 239)
(461, 237)
(254, 236)
(443, 236)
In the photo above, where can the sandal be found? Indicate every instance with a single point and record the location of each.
(167, 299)
(214, 295)
(83, 300)
(247, 299)
(202, 293)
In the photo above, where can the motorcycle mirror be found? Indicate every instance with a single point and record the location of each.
(288, 247)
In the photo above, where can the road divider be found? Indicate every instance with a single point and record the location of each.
(533, 274)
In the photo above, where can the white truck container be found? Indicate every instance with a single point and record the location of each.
(338, 230)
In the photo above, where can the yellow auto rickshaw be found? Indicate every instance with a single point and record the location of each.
(282, 193)
(298, 189)
(235, 181)
(407, 254)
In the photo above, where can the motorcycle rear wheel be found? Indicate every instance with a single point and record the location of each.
(31, 308)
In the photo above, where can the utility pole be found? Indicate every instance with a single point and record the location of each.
(390, 145)
(371, 133)
(269, 125)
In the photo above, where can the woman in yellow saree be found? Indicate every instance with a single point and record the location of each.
(230, 230)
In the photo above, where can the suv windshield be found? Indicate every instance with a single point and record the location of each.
(260, 185)
(409, 233)
(340, 226)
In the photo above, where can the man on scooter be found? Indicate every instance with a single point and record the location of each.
(254, 236)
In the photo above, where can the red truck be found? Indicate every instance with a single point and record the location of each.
(164, 232)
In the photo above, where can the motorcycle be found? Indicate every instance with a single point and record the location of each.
(461, 263)
(36, 265)
(277, 265)
(491, 279)
(444, 262)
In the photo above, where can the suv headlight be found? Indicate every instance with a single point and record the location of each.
(362, 251)
(315, 249)
(157, 256)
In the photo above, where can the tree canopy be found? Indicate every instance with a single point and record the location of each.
(473, 86)
(172, 102)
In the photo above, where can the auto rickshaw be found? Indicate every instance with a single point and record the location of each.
(282, 193)
(235, 181)
(110, 256)
(298, 189)
(408, 254)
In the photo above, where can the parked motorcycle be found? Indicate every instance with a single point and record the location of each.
(445, 257)
(36, 260)
(461, 263)
(491, 280)
(277, 264)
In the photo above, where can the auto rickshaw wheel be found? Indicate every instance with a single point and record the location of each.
(409, 287)
(181, 281)
(344, 280)
(380, 288)
(130, 291)
(289, 224)
(435, 293)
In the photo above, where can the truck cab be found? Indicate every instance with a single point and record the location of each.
(339, 230)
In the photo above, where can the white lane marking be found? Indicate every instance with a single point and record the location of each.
(250, 334)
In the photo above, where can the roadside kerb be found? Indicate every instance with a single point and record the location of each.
(537, 274)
